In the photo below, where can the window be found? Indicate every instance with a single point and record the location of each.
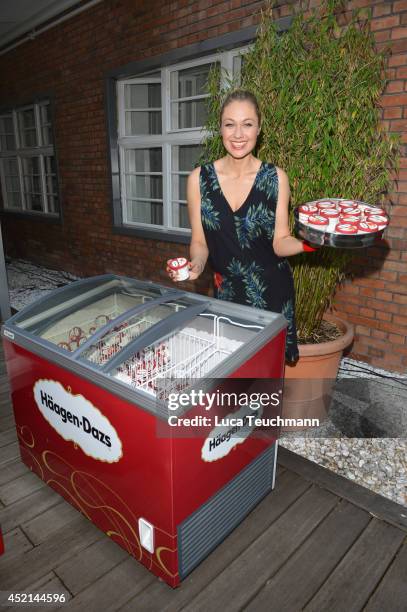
(161, 115)
(27, 161)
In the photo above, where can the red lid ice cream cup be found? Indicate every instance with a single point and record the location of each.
(179, 265)
(346, 228)
(367, 227)
(318, 221)
(356, 212)
(347, 204)
(325, 204)
(352, 219)
(307, 209)
(329, 213)
(373, 210)
(380, 220)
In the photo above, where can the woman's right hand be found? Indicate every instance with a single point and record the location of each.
(196, 268)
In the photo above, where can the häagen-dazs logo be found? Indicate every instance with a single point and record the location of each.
(223, 438)
(77, 420)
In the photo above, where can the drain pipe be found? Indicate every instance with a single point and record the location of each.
(34, 32)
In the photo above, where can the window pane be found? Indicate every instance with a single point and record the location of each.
(143, 122)
(33, 201)
(180, 215)
(14, 200)
(29, 138)
(10, 166)
(143, 160)
(185, 157)
(52, 185)
(189, 82)
(27, 118)
(32, 183)
(144, 187)
(188, 114)
(50, 166)
(45, 120)
(144, 212)
(28, 133)
(238, 64)
(179, 186)
(143, 95)
(45, 114)
(46, 135)
(12, 183)
(52, 203)
(7, 139)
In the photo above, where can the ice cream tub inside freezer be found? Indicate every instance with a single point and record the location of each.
(86, 364)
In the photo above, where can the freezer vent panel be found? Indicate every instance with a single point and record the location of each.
(201, 532)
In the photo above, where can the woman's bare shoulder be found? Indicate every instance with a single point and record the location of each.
(194, 175)
(282, 174)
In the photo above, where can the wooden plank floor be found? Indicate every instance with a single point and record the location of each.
(318, 542)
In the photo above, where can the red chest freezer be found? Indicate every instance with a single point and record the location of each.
(90, 368)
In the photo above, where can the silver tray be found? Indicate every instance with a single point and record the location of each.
(338, 241)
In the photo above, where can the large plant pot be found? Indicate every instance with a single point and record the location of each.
(308, 383)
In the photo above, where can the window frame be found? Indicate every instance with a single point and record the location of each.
(40, 151)
(200, 51)
(168, 138)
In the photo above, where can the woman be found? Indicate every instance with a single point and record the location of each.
(238, 210)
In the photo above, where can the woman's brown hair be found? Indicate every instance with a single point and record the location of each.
(240, 95)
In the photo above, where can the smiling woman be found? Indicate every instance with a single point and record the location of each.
(238, 210)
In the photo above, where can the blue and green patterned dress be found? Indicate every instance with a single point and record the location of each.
(241, 251)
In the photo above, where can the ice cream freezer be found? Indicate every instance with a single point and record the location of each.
(85, 365)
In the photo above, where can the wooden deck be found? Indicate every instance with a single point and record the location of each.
(318, 542)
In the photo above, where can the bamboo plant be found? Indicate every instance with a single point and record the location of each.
(318, 86)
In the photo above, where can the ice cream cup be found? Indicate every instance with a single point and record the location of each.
(346, 204)
(179, 265)
(367, 227)
(346, 228)
(318, 221)
(352, 210)
(325, 204)
(352, 219)
(380, 220)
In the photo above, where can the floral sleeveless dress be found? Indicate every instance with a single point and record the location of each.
(247, 270)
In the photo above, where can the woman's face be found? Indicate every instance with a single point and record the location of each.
(239, 128)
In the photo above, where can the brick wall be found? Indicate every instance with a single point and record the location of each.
(375, 298)
(71, 60)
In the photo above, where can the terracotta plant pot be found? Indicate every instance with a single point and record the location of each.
(308, 383)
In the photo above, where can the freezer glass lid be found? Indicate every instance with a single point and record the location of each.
(115, 339)
(69, 317)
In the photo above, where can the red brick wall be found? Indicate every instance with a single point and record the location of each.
(375, 299)
(70, 61)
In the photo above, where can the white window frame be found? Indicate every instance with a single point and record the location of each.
(169, 137)
(40, 151)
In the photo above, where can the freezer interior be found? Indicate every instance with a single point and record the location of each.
(192, 352)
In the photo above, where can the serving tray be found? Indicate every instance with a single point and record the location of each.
(322, 237)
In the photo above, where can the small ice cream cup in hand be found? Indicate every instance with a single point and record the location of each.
(178, 269)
